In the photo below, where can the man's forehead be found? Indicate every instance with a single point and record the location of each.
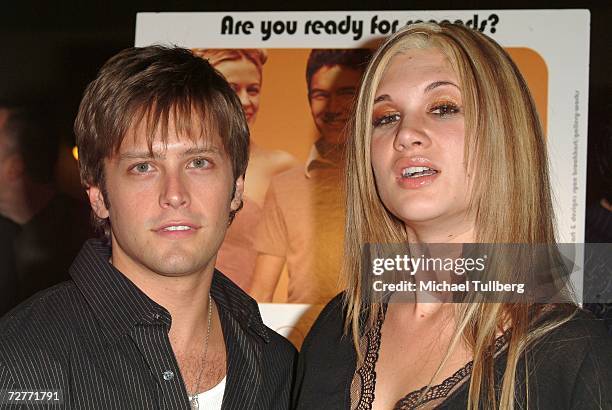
(159, 138)
(173, 143)
(334, 75)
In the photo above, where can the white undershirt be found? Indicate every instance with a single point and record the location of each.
(212, 399)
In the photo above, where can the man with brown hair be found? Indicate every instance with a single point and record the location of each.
(146, 321)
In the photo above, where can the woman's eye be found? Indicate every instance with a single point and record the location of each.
(444, 110)
(386, 119)
(200, 163)
(253, 90)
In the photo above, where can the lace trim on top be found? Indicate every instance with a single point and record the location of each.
(362, 387)
(364, 381)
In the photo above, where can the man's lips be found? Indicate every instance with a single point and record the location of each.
(178, 226)
(335, 122)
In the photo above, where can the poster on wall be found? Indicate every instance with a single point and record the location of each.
(296, 75)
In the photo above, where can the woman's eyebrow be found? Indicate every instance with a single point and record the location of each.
(384, 97)
(437, 84)
(430, 87)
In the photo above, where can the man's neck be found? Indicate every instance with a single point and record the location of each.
(26, 200)
(185, 297)
(328, 151)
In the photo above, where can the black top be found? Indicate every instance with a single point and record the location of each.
(105, 344)
(571, 367)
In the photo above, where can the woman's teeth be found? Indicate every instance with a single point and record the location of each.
(417, 172)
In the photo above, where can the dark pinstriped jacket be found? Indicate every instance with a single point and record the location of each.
(104, 344)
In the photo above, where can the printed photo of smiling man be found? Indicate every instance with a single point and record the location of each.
(145, 320)
(303, 217)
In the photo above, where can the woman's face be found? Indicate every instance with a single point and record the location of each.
(245, 79)
(418, 142)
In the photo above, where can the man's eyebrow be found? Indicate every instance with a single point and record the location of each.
(437, 84)
(157, 155)
(317, 90)
(136, 155)
(201, 150)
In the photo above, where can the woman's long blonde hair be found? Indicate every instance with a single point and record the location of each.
(510, 198)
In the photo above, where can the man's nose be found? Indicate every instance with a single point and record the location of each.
(174, 191)
(333, 106)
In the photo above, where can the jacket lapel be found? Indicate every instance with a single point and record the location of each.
(244, 361)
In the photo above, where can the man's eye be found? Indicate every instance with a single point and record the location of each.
(142, 168)
(318, 96)
(386, 119)
(444, 110)
(200, 163)
(347, 92)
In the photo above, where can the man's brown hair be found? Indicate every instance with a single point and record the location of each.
(154, 84)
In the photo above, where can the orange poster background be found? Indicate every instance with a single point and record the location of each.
(284, 121)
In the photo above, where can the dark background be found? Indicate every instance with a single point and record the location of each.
(51, 51)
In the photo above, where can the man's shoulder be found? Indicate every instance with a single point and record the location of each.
(292, 176)
(280, 346)
(245, 310)
(42, 321)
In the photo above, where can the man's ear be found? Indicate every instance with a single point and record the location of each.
(236, 203)
(96, 199)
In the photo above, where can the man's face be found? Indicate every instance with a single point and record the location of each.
(332, 90)
(168, 212)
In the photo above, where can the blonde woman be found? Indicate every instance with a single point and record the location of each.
(242, 68)
(447, 147)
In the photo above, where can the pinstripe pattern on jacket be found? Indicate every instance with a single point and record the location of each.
(104, 344)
